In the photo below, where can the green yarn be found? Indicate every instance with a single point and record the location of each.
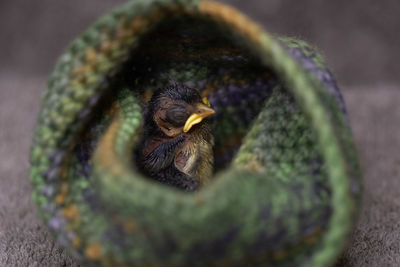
(287, 181)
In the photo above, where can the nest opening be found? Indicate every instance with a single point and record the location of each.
(196, 52)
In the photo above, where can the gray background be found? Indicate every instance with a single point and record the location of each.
(359, 38)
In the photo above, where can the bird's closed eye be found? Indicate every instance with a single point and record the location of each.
(177, 116)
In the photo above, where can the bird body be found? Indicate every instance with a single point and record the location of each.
(177, 144)
(195, 158)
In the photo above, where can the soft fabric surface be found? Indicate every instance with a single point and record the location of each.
(374, 114)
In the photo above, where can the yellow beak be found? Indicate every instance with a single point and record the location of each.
(203, 111)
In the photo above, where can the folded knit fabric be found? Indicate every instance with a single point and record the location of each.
(286, 184)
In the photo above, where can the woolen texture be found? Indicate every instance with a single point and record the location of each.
(296, 172)
(25, 241)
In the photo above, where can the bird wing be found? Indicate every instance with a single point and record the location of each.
(162, 155)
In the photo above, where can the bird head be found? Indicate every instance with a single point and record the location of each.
(177, 109)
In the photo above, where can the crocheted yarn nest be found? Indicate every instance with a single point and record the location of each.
(287, 182)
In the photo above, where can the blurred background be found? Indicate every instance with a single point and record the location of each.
(360, 40)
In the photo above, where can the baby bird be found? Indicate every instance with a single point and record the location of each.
(176, 148)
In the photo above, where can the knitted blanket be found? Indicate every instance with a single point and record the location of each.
(25, 241)
(286, 183)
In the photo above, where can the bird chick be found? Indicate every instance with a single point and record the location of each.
(176, 148)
